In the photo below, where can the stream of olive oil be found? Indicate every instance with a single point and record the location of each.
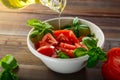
(59, 21)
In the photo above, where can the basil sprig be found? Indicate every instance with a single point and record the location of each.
(94, 52)
(8, 64)
(40, 29)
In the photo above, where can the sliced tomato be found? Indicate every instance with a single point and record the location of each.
(62, 38)
(73, 37)
(47, 50)
(67, 46)
(55, 55)
(68, 36)
(68, 52)
(58, 32)
(48, 38)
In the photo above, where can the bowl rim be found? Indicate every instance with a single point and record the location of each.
(70, 59)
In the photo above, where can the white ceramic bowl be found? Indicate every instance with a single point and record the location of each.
(66, 65)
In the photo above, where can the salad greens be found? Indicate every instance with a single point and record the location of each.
(8, 64)
(40, 29)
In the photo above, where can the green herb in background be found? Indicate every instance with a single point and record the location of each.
(8, 64)
(40, 29)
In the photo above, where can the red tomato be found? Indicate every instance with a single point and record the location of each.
(54, 55)
(42, 43)
(68, 52)
(63, 38)
(67, 46)
(48, 38)
(46, 50)
(111, 68)
(73, 37)
(68, 36)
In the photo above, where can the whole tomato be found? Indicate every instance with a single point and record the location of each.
(111, 67)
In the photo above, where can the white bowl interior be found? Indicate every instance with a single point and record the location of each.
(66, 65)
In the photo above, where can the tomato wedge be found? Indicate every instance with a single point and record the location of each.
(48, 38)
(62, 38)
(68, 52)
(67, 46)
(46, 50)
(68, 36)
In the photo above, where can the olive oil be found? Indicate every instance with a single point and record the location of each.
(56, 5)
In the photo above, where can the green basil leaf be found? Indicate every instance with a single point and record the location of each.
(89, 42)
(62, 55)
(6, 75)
(102, 55)
(80, 52)
(84, 30)
(8, 62)
(95, 54)
(76, 21)
(34, 33)
(92, 61)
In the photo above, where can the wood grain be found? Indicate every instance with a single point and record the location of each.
(13, 33)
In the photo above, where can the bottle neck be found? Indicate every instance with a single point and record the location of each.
(37, 1)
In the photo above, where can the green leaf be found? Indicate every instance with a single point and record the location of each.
(62, 55)
(102, 55)
(76, 31)
(92, 61)
(47, 25)
(8, 62)
(34, 33)
(84, 30)
(89, 42)
(34, 23)
(6, 75)
(76, 21)
(80, 52)
(40, 29)
(95, 54)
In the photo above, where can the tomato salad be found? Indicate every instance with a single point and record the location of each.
(71, 41)
(62, 40)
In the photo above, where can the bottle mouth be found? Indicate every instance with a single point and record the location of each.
(56, 5)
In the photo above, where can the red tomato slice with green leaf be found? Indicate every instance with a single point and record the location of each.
(46, 50)
(111, 67)
(68, 52)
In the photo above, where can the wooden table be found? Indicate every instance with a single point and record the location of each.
(13, 32)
